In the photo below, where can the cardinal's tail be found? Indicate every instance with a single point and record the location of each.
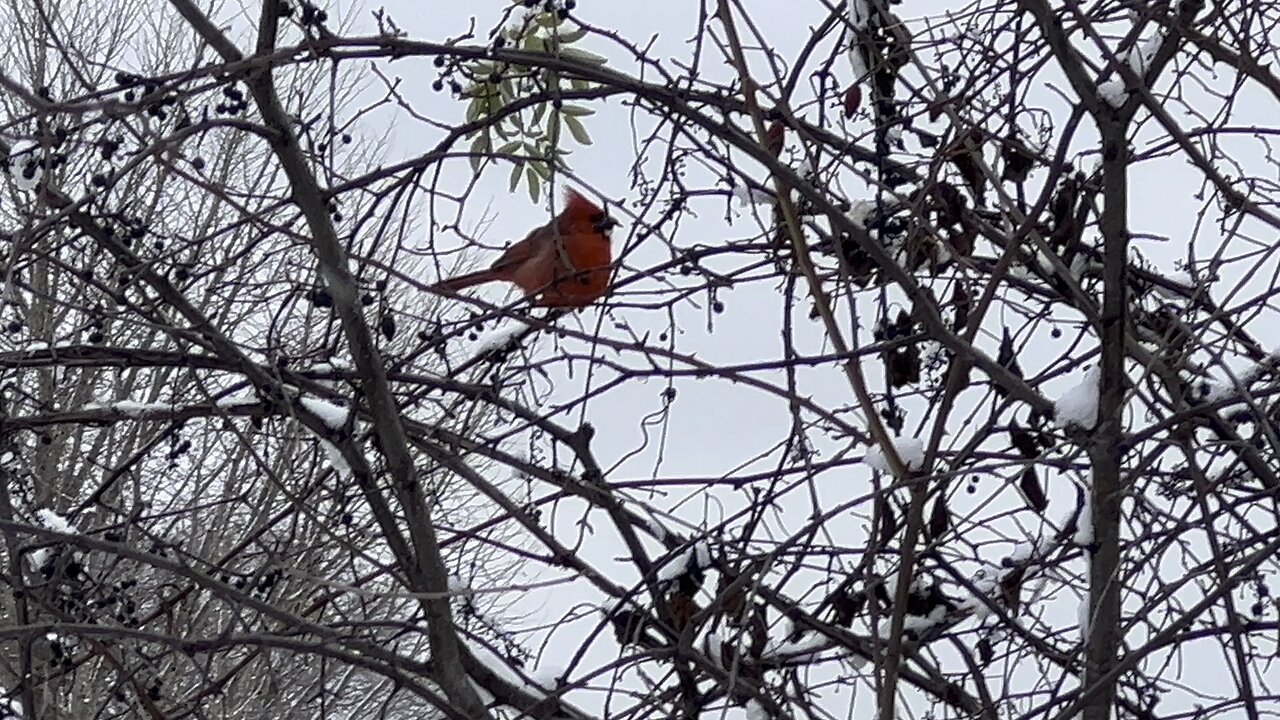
(462, 282)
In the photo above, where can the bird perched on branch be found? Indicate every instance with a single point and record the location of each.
(563, 264)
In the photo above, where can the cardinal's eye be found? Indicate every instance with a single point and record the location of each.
(603, 223)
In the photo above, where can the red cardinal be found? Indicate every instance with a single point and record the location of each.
(567, 261)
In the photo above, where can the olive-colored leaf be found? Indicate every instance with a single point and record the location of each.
(577, 110)
(516, 168)
(571, 36)
(534, 182)
(479, 147)
(583, 56)
(577, 130)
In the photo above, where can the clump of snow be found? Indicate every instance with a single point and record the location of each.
(1141, 55)
(690, 560)
(55, 522)
(984, 586)
(549, 676)
(242, 398)
(501, 667)
(458, 586)
(1084, 524)
(650, 523)
(756, 711)
(332, 415)
(747, 195)
(861, 212)
(1022, 552)
(920, 624)
(910, 451)
(26, 165)
(1079, 405)
(859, 18)
(1113, 92)
(132, 409)
(336, 461)
(1213, 391)
(332, 365)
(499, 339)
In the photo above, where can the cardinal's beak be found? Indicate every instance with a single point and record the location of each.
(606, 225)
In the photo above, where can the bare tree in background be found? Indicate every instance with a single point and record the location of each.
(254, 468)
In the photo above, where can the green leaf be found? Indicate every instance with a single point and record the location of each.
(479, 147)
(515, 176)
(533, 184)
(588, 58)
(507, 148)
(538, 111)
(573, 36)
(577, 111)
(541, 169)
(474, 109)
(553, 128)
(577, 130)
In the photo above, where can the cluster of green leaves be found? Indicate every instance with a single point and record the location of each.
(531, 138)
